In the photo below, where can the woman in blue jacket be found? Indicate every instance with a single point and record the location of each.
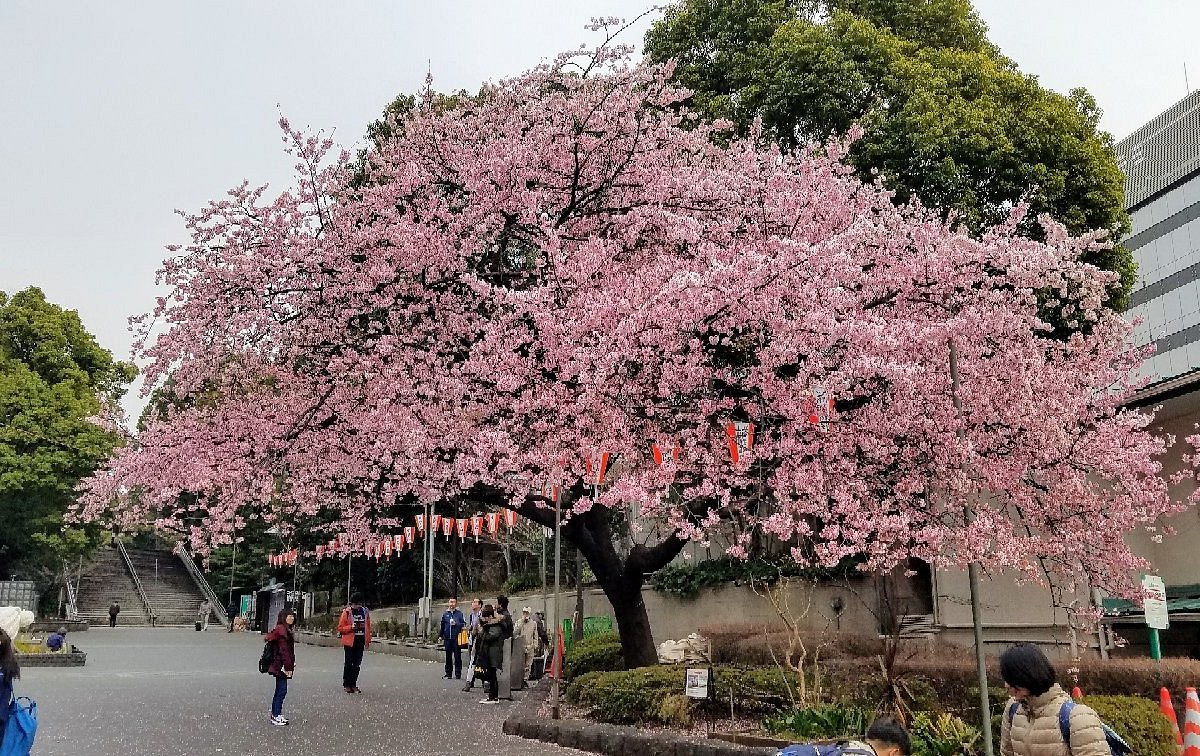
(9, 671)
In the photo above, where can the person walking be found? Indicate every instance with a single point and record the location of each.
(527, 631)
(202, 615)
(490, 656)
(113, 610)
(453, 622)
(1031, 724)
(284, 664)
(355, 628)
(231, 612)
(472, 641)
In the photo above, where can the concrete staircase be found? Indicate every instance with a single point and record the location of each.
(108, 578)
(173, 594)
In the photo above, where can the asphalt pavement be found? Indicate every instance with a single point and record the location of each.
(179, 692)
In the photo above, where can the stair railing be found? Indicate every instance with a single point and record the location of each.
(217, 607)
(137, 582)
(72, 600)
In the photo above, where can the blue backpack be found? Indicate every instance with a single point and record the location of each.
(839, 748)
(21, 727)
(1116, 744)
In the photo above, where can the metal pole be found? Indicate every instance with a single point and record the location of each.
(232, 568)
(349, 560)
(545, 595)
(554, 691)
(429, 584)
(1155, 647)
(985, 704)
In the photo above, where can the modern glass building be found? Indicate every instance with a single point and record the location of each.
(1161, 161)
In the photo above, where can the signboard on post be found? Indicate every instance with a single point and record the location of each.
(696, 683)
(1154, 597)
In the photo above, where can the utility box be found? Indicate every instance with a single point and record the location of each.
(19, 593)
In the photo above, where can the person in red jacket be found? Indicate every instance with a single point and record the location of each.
(355, 628)
(284, 664)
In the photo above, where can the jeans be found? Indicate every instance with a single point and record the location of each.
(280, 694)
(112, 620)
(492, 683)
(354, 657)
(453, 659)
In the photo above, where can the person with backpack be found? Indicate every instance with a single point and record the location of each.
(354, 626)
(113, 610)
(885, 737)
(1040, 719)
(283, 665)
(18, 718)
(489, 654)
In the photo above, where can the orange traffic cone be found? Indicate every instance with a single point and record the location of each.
(556, 662)
(1168, 710)
(1191, 725)
(1076, 693)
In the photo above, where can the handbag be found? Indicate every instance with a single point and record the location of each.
(464, 638)
(21, 728)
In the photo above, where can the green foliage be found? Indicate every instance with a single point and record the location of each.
(601, 652)
(942, 735)
(1139, 721)
(54, 379)
(320, 623)
(688, 579)
(639, 695)
(521, 582)
(824, 722)
(946, 116)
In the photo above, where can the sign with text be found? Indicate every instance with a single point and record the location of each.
(696, 683)
(1154, 596)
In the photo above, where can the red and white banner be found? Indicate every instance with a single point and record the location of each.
(421, 524)
(398, 542)
(510, 519)
(388, 545)
(819, 408)
(476, 526)
(435, 523)
(741, 439)
(493, 522)
(409, 533)
(320, 551)
(595, 472)
(447, 525)
(461, 526)
(656, 450)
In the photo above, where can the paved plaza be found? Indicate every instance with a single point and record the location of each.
(176, 691)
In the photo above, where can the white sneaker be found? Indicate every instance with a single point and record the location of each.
(278, 721)
(489, 701)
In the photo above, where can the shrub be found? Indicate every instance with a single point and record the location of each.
(820, 722)
(687, 580)
(596, 653)
(639, 695)
(1138, 721)
(521, 582)
(321, 623)
(942, 735)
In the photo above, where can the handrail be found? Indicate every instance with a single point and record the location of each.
(72, 601)
(202, 584)
(137, 582)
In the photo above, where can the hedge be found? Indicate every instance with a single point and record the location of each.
(651, 694)
(594, 653)
(1138, 721)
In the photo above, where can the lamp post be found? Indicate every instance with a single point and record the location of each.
(554, 697)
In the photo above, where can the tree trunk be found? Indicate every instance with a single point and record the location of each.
(621, 578)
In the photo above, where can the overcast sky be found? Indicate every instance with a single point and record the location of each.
(114, 114)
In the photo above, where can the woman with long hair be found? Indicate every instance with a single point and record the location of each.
(284, 663)
(9, 671)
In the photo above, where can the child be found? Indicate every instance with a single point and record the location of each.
(57, 640)
(885, 737)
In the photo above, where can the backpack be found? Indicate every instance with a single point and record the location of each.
(1116, 744)
(265, 661)
(838, 748)
(21, 727)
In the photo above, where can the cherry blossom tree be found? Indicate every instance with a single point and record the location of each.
(570, 265)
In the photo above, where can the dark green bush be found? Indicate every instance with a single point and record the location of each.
(640, 695)
(688, 579)
(321, 623)
(595, 653)
(521, 582)
(1139, 721)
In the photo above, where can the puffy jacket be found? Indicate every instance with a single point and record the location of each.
(1034, 730)
(489, 647)
(346, 628)
(285, 650)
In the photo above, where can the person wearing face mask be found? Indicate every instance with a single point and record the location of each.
(1040, 719)
(284, 664)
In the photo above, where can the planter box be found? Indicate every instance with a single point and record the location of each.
(74, 658)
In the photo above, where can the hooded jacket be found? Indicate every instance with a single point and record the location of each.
(1034, 730)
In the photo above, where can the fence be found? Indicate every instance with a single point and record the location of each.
(19, 593)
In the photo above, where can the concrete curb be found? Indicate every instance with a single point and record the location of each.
(611, 740)
(75, 658)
